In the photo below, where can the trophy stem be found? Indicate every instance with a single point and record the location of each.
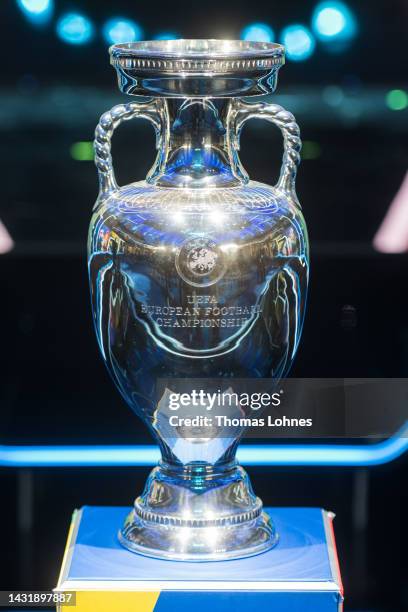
(198, 512)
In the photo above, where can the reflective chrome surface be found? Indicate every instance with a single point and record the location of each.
(214, 68)
(196, 272)
(216, 516)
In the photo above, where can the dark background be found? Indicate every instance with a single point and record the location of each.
(53, 385)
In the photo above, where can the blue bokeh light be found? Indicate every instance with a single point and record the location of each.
(37, 11)
(75, 29)
(258, 32)
(299, 42)
(333, 21)
(120, 30)
(166, 36)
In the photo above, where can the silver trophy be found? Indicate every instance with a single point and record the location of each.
(196, 273)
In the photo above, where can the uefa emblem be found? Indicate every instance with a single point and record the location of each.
(200, 262)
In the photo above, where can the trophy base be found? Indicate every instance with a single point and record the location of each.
(206, 517)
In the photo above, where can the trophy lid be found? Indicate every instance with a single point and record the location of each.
(197, 68)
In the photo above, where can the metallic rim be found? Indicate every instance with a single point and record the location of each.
(176, 521)
(197, 56)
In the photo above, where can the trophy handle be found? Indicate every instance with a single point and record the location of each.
(153, 110)
(242, 111)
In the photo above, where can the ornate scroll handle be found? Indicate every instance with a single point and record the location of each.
(153, 110)
(242, 111)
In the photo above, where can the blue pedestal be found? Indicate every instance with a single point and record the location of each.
(300, 574)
